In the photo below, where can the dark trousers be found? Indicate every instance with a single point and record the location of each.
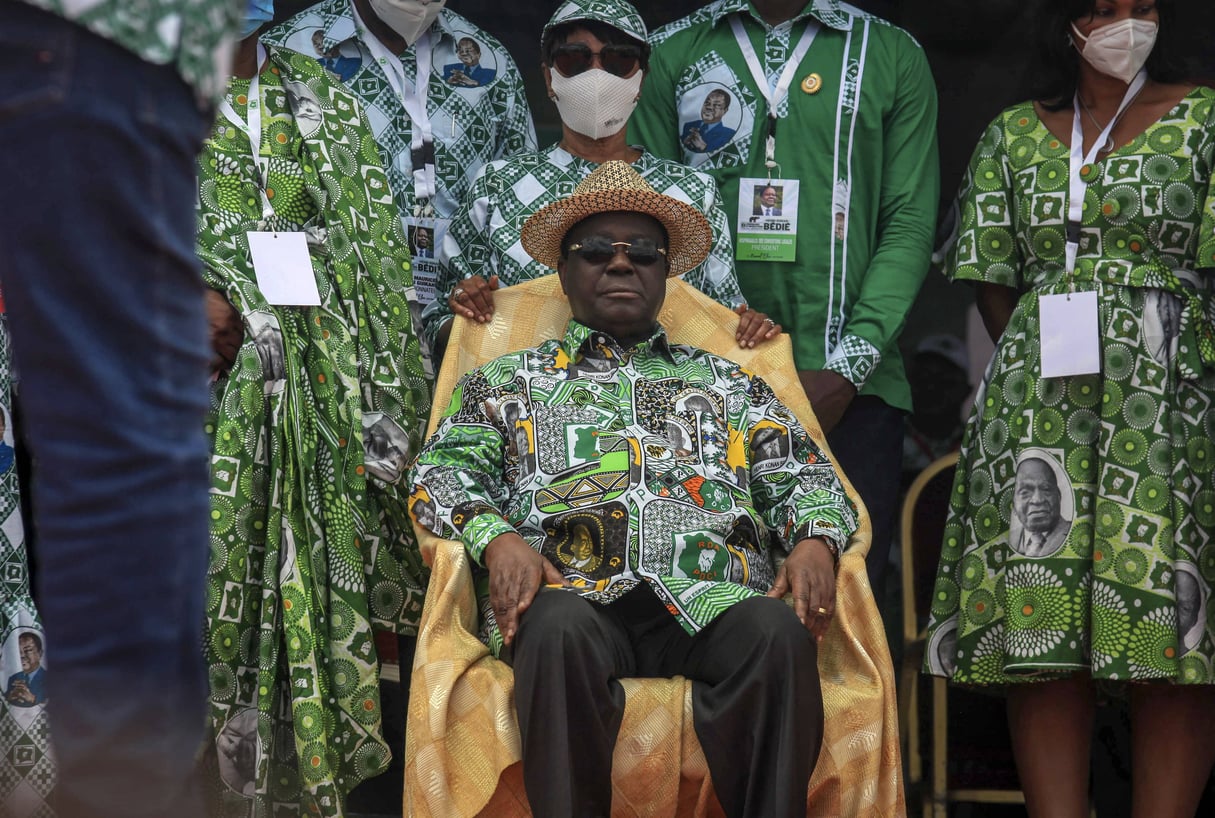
(105, 308)
(756, 703)
(868, 446)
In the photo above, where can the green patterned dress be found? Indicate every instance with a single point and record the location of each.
(313, 426)
(1079, 536)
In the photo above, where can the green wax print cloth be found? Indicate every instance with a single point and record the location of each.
(311, 545)
(1079, 537)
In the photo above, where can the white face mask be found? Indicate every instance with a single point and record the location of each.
(1118, 49)
(596, 103)
(409, 18)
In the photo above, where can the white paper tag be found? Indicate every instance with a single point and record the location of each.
(1070, 342)
(284, 269)
(767, 220)
(425, 242)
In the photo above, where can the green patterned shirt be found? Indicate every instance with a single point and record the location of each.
(661, 463)
(196, 36)
(862, 143)
(471, 125)
(484, 238)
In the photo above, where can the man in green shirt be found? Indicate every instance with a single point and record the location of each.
(103, 106)
(619, 495)
(836, 111)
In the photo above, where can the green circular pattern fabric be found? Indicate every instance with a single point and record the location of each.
(312, 428)
(1079, 536)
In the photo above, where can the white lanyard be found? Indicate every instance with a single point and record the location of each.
(413, 98)
(1080, 160)
(773, 97)
(252, 128)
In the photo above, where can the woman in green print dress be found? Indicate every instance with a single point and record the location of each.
(1078, 549)
(316, 411)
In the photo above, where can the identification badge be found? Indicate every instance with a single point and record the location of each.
(425, 238)
(284, 269)
(1070, 342)
(767, 220)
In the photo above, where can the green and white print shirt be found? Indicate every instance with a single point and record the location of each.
(471, 125)
(484, 238)
(660, 463)
(197, 36)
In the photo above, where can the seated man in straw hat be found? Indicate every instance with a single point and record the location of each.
(612, 491)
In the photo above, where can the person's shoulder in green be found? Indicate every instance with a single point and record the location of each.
(195, 36)
(703, 15)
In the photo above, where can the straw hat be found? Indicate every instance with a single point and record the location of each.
(616, 186)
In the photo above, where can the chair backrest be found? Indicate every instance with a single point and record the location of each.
(923, 528)
(532, 312)
(859, 770)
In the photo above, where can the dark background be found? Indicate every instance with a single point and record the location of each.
(981, 57)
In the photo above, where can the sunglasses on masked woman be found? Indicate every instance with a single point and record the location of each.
(572, 59)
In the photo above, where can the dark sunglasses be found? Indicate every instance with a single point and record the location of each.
(598, 250)
(572, 59)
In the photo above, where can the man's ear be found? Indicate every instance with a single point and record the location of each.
(561, 274)
(548, 81)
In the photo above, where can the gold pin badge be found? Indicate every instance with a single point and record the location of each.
(812, 84)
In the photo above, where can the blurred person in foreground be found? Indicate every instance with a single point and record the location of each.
(103, 107)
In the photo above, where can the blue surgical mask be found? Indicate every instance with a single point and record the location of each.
(257, 14)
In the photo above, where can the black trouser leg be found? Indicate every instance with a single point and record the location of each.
(757, 708)
(567, 656)
(868, 446)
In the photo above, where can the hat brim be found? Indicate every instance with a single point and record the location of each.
(689, 236)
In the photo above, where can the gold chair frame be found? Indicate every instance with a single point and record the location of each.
(938, 796)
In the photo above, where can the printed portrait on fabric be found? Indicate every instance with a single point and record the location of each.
(473, 67)
(386, 447)
(236, 749)
(1043, 505)
(23, 669)
(590, 542)
(267, 339)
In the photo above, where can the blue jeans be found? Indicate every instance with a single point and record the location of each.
(97, 153)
